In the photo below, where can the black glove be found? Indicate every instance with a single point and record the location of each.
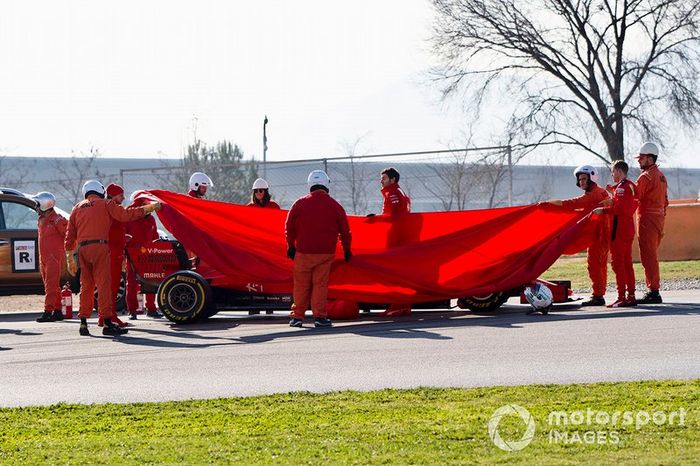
(291, 252)
(348, 255)
(370, 215)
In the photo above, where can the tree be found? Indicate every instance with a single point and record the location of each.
(475, 177)
(457, 181)
(15, 175)
(574, 72)
(354, 177)
(224, 163)
(73, 172)
(491, 171)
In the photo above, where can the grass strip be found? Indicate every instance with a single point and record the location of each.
(574, 269)
(419, 426)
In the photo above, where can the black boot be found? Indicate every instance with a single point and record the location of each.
(594, 301)
(47, 316)
(113, 330)
(652, 297)
(84, 330)
(57, 315)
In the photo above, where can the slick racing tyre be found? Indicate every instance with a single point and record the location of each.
(485, 303)
(185, 297)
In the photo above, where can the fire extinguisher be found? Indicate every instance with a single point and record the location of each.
(67, 301)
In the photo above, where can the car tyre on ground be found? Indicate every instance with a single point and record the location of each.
(486, 303)
(185, 297)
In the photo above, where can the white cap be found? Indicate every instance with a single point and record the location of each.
(319, 177)
(93, 185)
(260, 184)
(200, 179)
(45, 200)
(649, 148)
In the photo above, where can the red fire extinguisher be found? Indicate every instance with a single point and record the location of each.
(67, 301)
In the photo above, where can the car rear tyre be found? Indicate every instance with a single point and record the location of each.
(485, 303)
(185, 297)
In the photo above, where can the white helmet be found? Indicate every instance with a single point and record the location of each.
(649, 148)
(45, 200)
(200, 179)
(260, 184)
(93, 185)
(319, 177)
(540, 297)
(592, 172)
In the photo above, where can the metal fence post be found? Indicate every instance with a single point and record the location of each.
(265, 147)
(509, 152)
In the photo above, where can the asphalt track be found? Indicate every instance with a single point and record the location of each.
(237, 355)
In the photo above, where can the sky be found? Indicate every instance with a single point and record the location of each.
(142, 78)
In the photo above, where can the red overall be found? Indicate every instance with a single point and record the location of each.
(623, 207)
(597, 255)
(653, 201)
(88, 228)
(142, 231)
(396, 202)
(269, 205)
(52, 256)
(117, 242)
(313, 226)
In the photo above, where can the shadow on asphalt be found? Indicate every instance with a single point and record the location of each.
(17, 331)
(417, 326)
(420, 325)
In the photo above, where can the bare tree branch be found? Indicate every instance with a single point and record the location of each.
(73, 172)
(569, 68)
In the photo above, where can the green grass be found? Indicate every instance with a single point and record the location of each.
(421, 426)
(574, 269)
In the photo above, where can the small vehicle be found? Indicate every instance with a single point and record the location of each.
(19, 246)
(185, 292)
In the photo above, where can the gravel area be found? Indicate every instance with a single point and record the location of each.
(24, 303)
(678, 284)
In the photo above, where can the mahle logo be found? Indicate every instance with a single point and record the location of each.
(511, 444)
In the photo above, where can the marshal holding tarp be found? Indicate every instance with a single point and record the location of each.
(439, 255)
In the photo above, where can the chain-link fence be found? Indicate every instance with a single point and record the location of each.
(435, 180)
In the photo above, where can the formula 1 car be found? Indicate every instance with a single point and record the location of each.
(185, 287)
(478, 258)
(187, 291)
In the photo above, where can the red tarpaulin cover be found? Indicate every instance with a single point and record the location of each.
(438, 255)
